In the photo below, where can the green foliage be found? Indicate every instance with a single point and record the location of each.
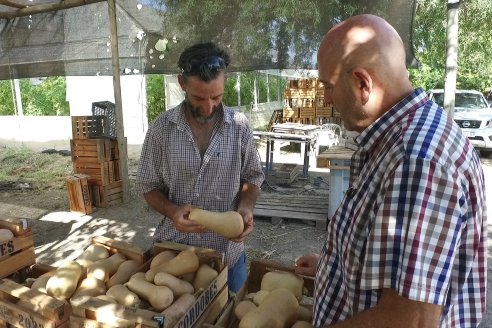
(474, 52)
(47, 98)
(6, 99)
(23, 164)
(155, 96)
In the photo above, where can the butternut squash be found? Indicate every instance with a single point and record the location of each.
(123, 296)
(305, 313)
(242, 308)
(162, 257)
(228, 224)
(6, 235)
(40, 283)
(302, 324)
(90, 287)
(283, 279)
(204, 276)
(92, 254)
(123, 273)
(159, 297)
(185, 262)
(64, 281)
(178, 286)
(278, 310)
(173, 313)
(104, 268)
(260, 296)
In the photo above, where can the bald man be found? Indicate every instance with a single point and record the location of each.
(407, 246)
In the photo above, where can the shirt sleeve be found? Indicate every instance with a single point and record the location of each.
(148, 176)
(412, 241)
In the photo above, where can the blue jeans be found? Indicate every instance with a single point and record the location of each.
(237, 274)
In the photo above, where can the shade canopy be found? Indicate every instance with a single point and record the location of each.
(38, 38)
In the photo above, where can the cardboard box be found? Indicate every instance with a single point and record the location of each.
(95, 313)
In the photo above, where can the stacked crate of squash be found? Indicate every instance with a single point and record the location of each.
(299, 101)
(96, 182)
(114, 284)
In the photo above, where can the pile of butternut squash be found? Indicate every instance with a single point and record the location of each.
(170, 285)
(276, 304)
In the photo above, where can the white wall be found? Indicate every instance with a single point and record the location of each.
(82, 91)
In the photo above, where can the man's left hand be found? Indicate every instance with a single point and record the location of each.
(247, 215)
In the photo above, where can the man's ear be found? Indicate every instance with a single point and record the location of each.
(181, 81)
(364, 83)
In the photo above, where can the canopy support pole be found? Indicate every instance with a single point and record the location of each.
(120, 132)
(453, 8)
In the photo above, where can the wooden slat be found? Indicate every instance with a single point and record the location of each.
(16, 244)
(17, 261)
(18, 226)
(34, 300)
(291, 215)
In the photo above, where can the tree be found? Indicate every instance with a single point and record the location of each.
(6, 99)
(474, 53)
(155, 96)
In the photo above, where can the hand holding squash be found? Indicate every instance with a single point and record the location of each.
(181, 223)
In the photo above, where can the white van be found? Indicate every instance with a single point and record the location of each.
(473, 114)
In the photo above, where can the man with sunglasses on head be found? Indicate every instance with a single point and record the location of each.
(202, 154)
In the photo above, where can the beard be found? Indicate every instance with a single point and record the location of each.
(195, 112)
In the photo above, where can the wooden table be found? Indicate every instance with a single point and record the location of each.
(271, 137)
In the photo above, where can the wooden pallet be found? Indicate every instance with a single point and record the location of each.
(299, 207)
(275, 118)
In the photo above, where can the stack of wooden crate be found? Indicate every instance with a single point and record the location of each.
(97, 161)
(304, 103)
(299, 105)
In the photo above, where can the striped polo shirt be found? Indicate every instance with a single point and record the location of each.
(413, 220)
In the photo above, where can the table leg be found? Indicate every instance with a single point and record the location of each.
(271, 154)
(267, 157)
(305, 166)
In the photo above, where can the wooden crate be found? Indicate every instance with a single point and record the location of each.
(21, 306)
(95, 313)
(18, 253)
(324, 111)
(24, 307)
(108, 195)
(79, 196)
(307, 112)
(290, 113)
(257, 270)
(90, 150)
(81, 126)
(101, 174)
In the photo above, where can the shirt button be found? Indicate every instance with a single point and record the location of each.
(197, 194)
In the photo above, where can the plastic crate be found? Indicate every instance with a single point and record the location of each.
(103, 120)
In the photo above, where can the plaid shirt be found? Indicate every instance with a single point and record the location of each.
(413, 220)
(171, 162)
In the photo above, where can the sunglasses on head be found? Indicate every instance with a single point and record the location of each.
(213, 64)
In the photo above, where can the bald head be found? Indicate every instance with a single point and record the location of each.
(368, 50)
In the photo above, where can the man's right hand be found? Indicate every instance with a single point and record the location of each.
(183, 223)
(306, 265)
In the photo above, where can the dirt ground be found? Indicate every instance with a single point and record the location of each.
(60, 234)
